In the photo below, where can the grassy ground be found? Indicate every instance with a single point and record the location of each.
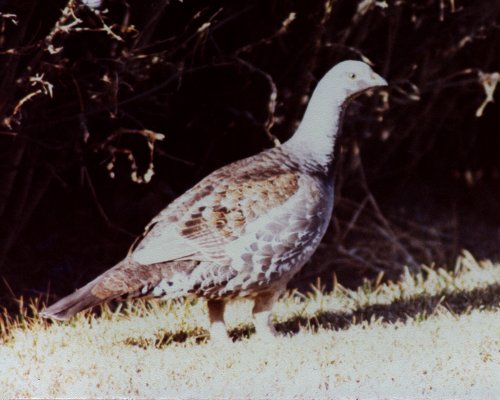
(435, 334)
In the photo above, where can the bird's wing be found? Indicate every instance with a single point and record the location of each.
(200, 223)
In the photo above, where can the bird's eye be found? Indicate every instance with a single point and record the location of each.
(352, 75)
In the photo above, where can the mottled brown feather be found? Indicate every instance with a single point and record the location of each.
(217, 210)
(129, 278)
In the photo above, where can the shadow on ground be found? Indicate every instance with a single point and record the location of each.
(416, 308)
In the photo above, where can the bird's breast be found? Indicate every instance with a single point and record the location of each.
(277, 245)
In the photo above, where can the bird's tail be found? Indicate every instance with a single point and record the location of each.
(126, 280)
(110, 285)
(72, 304)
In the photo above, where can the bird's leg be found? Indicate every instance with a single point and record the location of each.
(218, 330)
(262, 314)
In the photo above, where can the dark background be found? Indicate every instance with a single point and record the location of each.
(83, 92)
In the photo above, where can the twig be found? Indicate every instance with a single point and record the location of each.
(387, 230)
(271, 105)
(354, 219)
(101, 211)
(12, 167)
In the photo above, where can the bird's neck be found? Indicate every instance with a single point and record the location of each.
(313, 142)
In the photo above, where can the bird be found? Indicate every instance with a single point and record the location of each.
(245, 229)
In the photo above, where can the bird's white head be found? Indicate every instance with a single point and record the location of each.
(315, 137)
(351, 78)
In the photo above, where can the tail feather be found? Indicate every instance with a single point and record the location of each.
(107, 286)
(125, 280)
(72, 304)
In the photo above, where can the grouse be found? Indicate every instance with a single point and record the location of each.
(247, 228)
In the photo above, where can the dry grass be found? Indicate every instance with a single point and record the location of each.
(435, 334)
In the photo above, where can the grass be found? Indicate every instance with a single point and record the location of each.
(433, 334)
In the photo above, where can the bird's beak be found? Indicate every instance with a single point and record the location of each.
(377, 80)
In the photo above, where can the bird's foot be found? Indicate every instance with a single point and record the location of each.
(264, 328)
(218, 333)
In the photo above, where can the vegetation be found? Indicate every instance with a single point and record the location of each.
(434, 334)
